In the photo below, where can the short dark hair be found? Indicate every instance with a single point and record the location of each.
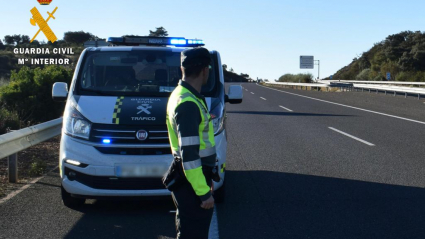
(193, 70)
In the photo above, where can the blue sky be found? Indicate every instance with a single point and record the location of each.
(261, 38)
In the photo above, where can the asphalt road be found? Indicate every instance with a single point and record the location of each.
(297, 167)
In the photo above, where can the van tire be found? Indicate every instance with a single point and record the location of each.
(70, 201)
(220, 193)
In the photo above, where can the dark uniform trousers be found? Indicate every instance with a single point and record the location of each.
(192, 221)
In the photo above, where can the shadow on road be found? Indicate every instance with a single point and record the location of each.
(265, 204)
(125, 219)
(283, 113)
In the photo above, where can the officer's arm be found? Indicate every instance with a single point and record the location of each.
(188, 118)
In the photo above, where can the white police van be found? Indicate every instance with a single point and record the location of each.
(114, 139)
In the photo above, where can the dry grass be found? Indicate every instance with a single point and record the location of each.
(28, 161)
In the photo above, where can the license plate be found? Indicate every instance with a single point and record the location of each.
(139, 170)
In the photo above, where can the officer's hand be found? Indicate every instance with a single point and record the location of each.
(208, 204)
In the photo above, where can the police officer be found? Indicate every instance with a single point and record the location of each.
(192, 140)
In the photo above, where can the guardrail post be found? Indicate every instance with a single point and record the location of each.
(394, 94)
(369, 90)
(405, 94)
(376, 91)
(419, 96)
(13, 168)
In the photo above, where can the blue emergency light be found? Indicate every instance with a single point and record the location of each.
(156, 41)
(106, 141)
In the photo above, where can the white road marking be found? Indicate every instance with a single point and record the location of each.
(351, 136)
(246, 89)
(285, 108)
(252, 92)
(213, 233)
(16, 192)
(348, 106)
(263, 98)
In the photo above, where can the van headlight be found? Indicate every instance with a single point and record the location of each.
(218, 124)
(76, 125)
(217, 118)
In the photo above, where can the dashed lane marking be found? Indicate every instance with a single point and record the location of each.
(252, 92)
(285, 108)
(348, 106)
(263, 98)
(351, 136)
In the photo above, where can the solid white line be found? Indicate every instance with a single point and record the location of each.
(348, 106)
(285, 108)
(353, 137)
(252, 92)
(263, 98)
(213, 233)
(16, 192)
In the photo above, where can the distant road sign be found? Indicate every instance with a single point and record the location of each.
(306, 62)
(331, 77)
(388, 76)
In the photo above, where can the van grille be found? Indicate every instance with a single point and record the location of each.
(126, 134)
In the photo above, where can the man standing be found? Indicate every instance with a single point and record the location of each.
(192, 141)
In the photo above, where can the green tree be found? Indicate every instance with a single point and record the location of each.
(159, 32)
(8, 39)
(1, 45)
(25, 39)
(79, 37)
(17, 38)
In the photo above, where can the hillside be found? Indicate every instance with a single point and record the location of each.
(402, 55)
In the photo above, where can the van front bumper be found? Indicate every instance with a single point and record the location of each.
(98, 178)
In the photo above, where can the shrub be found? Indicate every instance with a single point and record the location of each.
(29, 93)
(37, 167)
(302, 78)
(8, 120)
(364, 75)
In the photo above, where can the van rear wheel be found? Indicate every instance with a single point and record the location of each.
(70, 201)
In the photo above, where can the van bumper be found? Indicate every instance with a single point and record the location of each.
(102, 167)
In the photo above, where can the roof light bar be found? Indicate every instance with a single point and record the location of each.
(156, 41)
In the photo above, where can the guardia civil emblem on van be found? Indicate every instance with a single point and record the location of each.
(144, 108)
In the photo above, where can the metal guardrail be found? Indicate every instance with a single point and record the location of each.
(12, 143)
(376, 82)
(351, 86)
(394, 89)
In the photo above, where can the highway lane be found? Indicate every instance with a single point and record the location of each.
(308, 181)
(288, 176)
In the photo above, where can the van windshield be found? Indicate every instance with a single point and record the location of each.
(135, 72)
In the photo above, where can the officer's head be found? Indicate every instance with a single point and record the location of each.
(195, 63)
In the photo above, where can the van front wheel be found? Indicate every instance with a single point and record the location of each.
(70, 201)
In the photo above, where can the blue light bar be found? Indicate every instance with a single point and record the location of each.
(106, 141)
(156, 41)
(178, 42)
(116, 39)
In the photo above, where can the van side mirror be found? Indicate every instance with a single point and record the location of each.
(60, 91)
(235, 94)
